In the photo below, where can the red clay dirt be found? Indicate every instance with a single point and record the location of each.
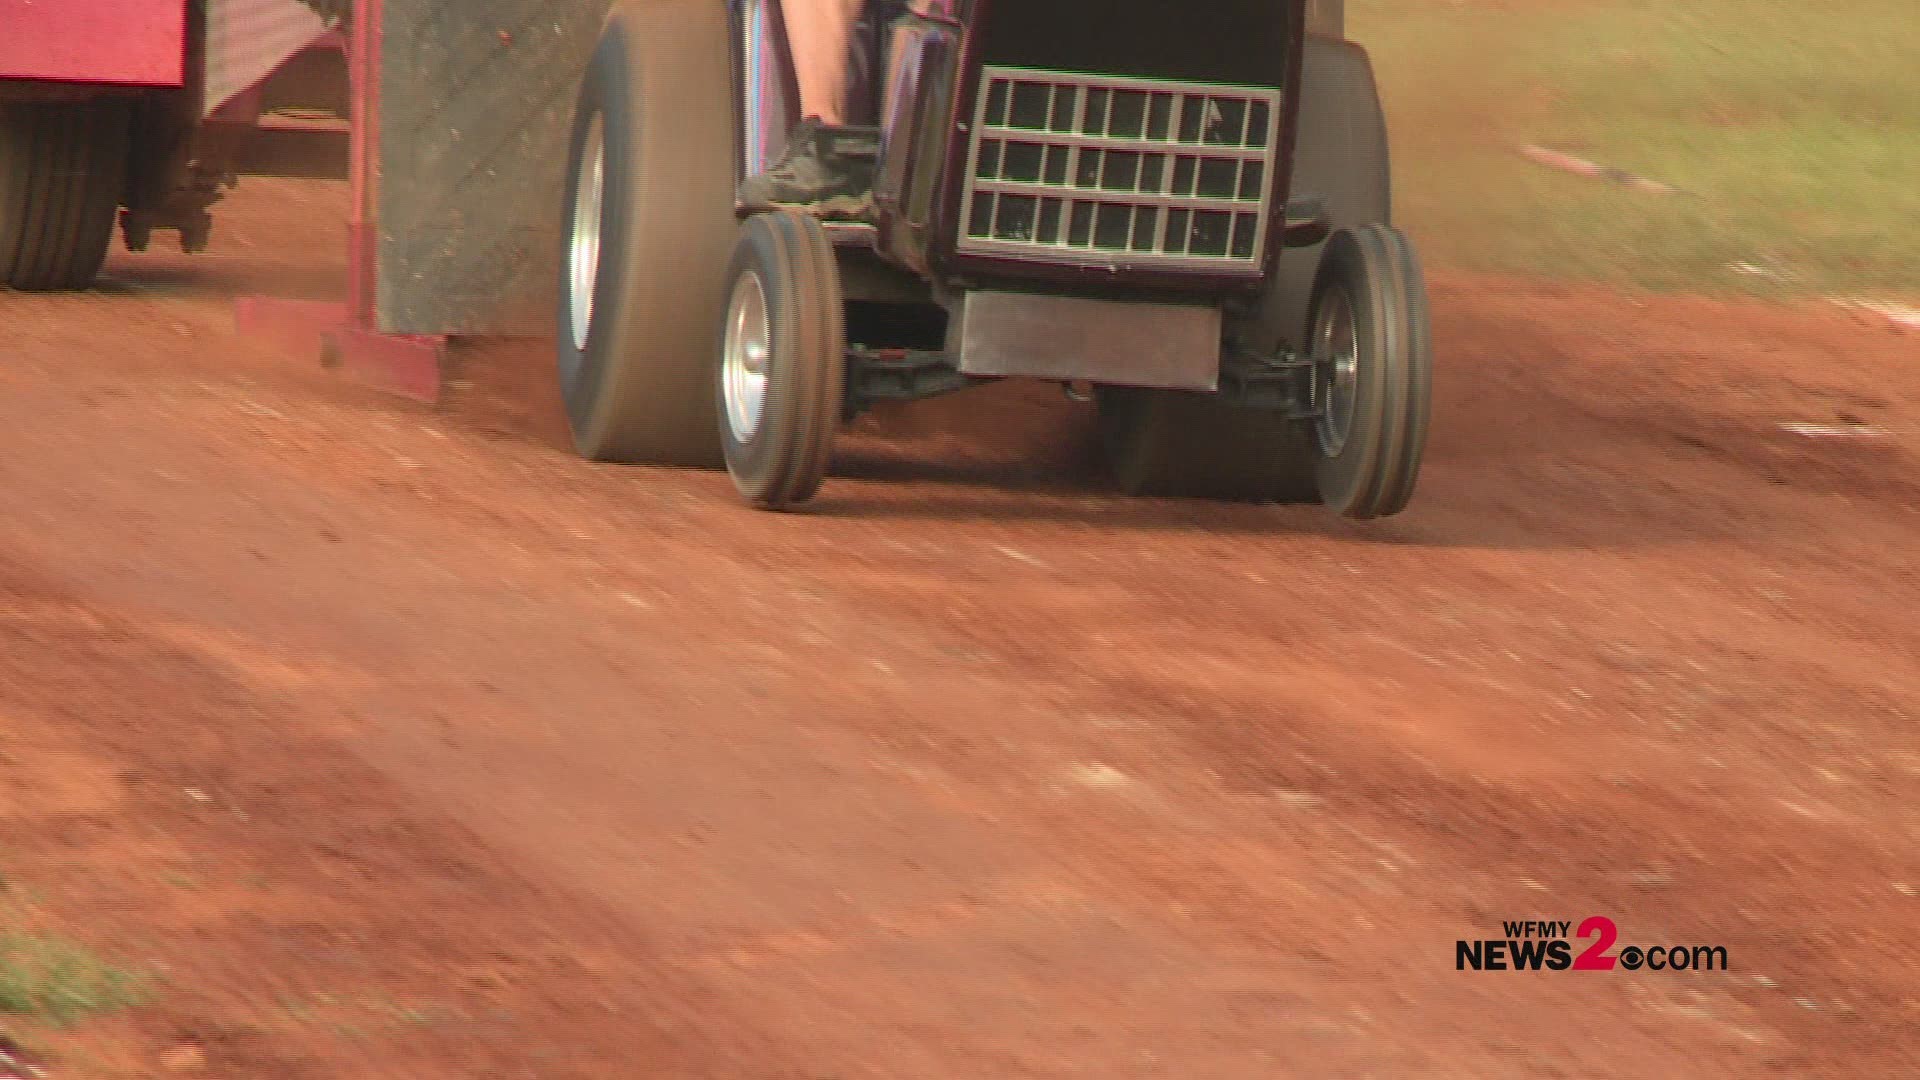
(401, 743)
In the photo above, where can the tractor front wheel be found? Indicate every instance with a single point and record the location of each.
(1373, 386)
(780, 385)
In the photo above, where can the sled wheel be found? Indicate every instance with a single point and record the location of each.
(781, 381)
(1374, 389)
(647, 229)
(62, 170)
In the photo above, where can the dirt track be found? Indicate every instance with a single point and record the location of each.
(410, 746)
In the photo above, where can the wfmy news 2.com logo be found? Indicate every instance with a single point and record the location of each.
(1534, 945)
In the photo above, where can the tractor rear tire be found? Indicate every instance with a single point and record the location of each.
(1369, 320)
(1342, 157)
(1173, 443)
(1327, 18)
(648, 228)
(63, 171)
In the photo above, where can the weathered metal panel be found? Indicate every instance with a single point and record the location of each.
(248, 39)
(475, 103)
(1172, 346)
(132, 42)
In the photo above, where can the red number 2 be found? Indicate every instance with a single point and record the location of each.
(1594, 957)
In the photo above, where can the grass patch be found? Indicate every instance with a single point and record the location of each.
(56, 981)
(1793, 125)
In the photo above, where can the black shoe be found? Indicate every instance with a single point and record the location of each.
(827, 172)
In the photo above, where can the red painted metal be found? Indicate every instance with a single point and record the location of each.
(117, 42)
(404, 364)
(346, 336)
(363, 237)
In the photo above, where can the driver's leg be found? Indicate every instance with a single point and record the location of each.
(827, 168)
(821, 35)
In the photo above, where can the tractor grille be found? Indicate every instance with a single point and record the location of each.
(1096, 170)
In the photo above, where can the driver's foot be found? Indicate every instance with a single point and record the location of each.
(827, 172)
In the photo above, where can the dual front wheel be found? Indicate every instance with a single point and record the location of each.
(780, 385)
(1373, 389)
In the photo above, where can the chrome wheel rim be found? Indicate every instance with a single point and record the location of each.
(743, 363)
(583, 244)
(1337, 378)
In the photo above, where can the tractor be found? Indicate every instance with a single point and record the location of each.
(1183, 214)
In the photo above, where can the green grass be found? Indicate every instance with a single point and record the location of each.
(1794, 126)
(56, 981)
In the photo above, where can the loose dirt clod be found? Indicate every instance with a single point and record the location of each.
(184, 1059)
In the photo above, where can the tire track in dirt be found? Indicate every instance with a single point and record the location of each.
(303, 921)
(976, 769)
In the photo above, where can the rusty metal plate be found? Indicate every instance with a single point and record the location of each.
(1121, 343)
